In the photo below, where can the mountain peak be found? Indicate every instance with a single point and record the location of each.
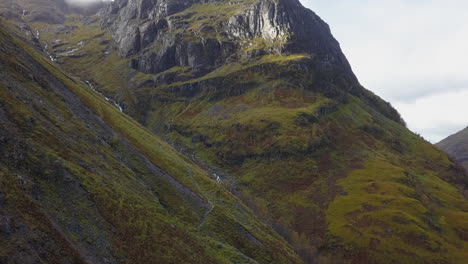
(208, 37)
(182, 33)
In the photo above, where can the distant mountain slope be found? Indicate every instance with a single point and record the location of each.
(259, 92)
(48, 11)
(457, 146)
(81, 182)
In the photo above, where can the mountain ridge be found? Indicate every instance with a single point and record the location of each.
(456, 146)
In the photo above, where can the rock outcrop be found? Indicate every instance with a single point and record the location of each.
(207, 34)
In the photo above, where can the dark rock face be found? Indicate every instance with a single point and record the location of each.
(156, 33)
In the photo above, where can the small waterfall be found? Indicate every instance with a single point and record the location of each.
(110, 100)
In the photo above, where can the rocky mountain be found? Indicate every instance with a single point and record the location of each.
(258, 96)
(457, 146)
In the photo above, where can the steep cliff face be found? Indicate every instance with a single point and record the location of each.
(457, 146)
(259, 93)
(204, 35)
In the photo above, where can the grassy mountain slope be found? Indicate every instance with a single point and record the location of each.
(330, 166)
(457, 146)
(83, 183)
(335, 176)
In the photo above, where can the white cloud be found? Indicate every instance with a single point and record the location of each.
(437, 115)
(413, 53)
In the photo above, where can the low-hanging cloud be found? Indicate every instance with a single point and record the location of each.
(411, 53)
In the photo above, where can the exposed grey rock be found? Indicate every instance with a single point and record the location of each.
(130, 42)
(158, 38)
(160, 34)
(65, 29)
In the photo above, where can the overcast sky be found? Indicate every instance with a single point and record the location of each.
(412, 53)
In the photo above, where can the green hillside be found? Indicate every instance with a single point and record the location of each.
(83, 183)
(325, 168)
